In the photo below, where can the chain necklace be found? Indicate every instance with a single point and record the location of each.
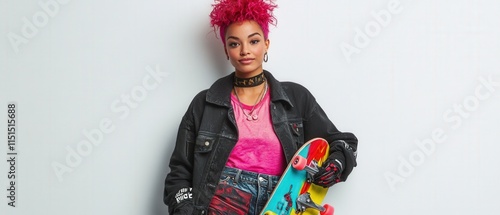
(251, 116)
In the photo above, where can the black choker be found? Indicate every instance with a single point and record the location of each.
(249, 82)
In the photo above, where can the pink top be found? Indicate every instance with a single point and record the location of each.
(258, 148)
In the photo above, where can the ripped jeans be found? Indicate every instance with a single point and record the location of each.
(241, 192)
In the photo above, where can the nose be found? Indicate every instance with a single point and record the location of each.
(244, 50)
(243, 53)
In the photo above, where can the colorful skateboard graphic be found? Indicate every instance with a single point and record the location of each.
(294, 194)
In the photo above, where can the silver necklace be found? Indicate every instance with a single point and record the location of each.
(251, 116)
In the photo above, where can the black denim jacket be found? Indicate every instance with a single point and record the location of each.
(208, 133)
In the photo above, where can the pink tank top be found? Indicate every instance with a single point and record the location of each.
(258, 148)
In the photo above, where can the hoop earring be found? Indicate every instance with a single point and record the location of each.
(266, 57)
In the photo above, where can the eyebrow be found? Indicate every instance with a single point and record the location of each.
(236, 38)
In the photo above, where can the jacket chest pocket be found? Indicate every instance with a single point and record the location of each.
(204, 144)
(202, 159)
(297, 130)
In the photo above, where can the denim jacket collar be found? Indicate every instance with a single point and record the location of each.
(220, 92)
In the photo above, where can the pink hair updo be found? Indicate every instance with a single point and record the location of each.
(226, 12)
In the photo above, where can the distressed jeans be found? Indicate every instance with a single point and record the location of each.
(242, 192)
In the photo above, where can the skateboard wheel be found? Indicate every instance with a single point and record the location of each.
(299, 162)
(270, 213)
(328, 210)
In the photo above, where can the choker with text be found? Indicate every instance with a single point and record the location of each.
(249, 82)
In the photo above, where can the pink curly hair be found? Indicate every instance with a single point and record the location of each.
(226, 12)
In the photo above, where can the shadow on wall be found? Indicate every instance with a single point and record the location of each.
(214, 50)
(158, 181)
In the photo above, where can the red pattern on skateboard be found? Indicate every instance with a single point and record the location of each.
(316, 152)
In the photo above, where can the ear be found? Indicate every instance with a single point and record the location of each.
(268, 42)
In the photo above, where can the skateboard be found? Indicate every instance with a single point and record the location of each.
(295, 194)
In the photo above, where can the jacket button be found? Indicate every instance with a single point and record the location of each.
(207, 143)
(203, 212)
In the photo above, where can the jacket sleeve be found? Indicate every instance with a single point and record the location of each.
(178, 183)
(343, 145)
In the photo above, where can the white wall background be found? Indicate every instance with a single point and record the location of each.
(414, 76)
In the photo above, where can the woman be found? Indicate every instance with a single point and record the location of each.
(237, 137)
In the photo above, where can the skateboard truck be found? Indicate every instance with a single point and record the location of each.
(311, 169)
(300, 163)
(304, 201)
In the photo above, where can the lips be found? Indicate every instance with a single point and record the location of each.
(246, 60)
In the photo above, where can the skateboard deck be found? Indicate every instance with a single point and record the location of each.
(293, 183)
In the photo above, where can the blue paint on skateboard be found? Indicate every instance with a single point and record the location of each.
(284, 205)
